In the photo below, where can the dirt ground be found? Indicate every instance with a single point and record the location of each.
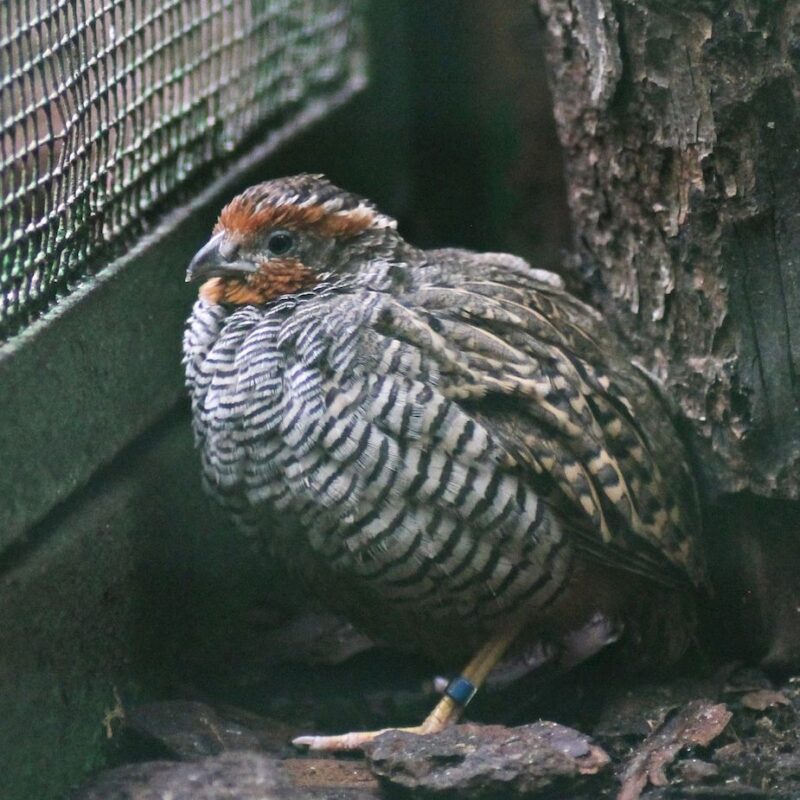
(710, 731)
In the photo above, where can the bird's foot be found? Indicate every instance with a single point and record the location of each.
(447, 711)
(584, 642)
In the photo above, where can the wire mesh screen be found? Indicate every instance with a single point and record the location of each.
(112, 109)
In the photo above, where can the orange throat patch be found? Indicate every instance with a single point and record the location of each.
(273, 279)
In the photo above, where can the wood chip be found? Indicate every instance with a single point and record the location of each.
(764, 699)
(697, 723)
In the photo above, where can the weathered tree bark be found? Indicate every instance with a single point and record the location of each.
(680, 122)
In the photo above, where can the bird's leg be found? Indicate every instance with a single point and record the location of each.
(447, 711)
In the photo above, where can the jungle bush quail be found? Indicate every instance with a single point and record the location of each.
(460, 452)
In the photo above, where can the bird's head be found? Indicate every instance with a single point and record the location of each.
(281, 236)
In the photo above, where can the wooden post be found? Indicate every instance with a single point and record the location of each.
(681, 135)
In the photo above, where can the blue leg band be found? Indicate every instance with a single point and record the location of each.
(460, 690)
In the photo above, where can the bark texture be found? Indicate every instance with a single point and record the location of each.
(679, 122)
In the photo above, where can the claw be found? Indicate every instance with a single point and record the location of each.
(345, 741)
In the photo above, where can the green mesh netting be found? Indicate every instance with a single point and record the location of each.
(111, 110)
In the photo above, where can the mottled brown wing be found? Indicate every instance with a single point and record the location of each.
(537, 366)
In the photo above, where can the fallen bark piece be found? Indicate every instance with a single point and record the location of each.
(697, 723)
(487, 759)
(695, 770)
(188, 730)
(231, 776)
(314, 773)
(763, 699)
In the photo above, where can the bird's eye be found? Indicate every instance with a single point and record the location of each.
(280, 243)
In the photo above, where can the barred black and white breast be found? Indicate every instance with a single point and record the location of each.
(435, 440)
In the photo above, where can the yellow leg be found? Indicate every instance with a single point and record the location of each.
(447, 710)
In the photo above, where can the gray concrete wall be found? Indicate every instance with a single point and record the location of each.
(75, 601)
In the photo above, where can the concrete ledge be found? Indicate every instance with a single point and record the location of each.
(129, 581)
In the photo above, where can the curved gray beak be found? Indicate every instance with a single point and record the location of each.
(209, 262)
